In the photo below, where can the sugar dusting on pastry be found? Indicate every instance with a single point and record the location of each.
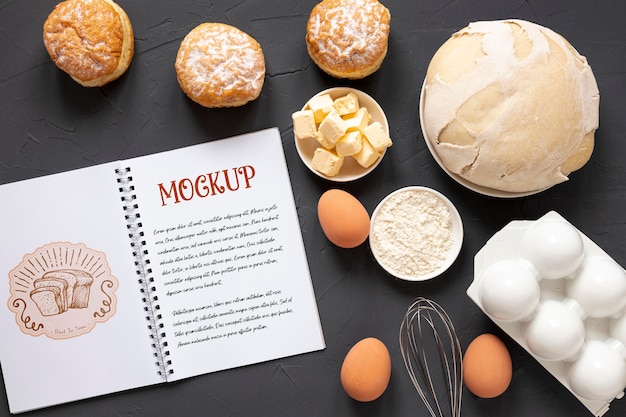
(348, 39)
(219, 65)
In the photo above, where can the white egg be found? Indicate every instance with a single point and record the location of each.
(509, 290)
(554, 247)
(599, 373)
(556, 332)
(599, 287)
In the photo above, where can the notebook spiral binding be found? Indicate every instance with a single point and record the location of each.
(144, 272)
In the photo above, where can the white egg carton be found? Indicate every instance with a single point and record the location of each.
(565, 302)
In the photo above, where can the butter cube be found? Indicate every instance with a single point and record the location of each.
(377, 136)
(367, 155)
(304, 124)
(323, 140)
(321, 106)
(333, 127)
(327, 162)
(347, 104)
(349, 144)
(358, 120)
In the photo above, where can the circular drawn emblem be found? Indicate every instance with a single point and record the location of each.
(62, 290)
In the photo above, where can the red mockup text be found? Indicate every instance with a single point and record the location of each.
(206, 185)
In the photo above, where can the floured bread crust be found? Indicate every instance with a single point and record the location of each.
(91, 40)
(510, 105)
(348, 39)
(219, 65)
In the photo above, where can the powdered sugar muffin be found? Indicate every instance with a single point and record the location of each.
(91, 40)
(219, 65)
(348, 39)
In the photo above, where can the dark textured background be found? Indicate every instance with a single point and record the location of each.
(48, 124)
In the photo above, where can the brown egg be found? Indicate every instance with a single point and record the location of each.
(366, 370)
(487, 367)
(343, 218)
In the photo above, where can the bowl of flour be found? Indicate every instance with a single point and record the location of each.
(416, 233)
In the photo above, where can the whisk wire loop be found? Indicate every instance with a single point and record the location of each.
(424, 325)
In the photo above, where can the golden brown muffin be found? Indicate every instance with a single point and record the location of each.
(219, 65)
(510, 105)
(348, 39)
(91, 40)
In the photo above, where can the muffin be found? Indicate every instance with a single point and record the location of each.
(219, 65)
(91, 40)
(348, 39)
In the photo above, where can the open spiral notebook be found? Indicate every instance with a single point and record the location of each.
(152, 269)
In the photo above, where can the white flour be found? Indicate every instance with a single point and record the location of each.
(412, 233)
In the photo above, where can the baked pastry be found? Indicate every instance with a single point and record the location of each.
(91, 40)
(348, 39)
(219, 65)
(510, 105)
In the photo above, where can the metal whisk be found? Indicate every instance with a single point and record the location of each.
(429, 343)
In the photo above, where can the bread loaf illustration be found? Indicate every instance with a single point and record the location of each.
(62, 290)
(48, 300)
(57, 291)
(79, 285)
(60, 284)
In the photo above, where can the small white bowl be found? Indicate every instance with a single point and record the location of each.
(467, 184)
(350, 170)
(401, 226)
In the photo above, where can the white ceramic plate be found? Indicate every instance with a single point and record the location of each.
(456, 229)
(350, 170)
(467, 184)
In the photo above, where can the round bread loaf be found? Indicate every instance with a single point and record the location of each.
(91, 40)
(510, 105)
(219, 65)
(348, 39)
